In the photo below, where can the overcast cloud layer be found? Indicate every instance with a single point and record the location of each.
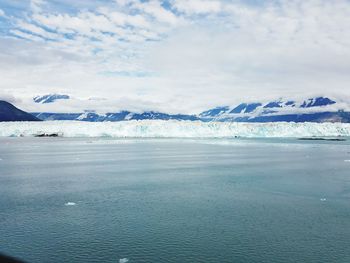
(172, 56)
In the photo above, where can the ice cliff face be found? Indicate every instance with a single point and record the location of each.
(174, 129)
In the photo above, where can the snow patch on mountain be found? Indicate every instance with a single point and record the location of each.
(50, 98)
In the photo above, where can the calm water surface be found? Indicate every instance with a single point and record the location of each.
(174, 200)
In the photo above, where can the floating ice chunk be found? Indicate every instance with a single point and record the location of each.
(123, 260)
(323, 199)
(347, 161)
(69, 204)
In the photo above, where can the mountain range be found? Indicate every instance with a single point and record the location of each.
(317, 109)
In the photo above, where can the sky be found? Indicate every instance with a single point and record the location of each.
(180, 56)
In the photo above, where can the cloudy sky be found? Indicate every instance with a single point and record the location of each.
(174, 55)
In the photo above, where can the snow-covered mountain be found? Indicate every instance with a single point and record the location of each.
(258, 107)
(50, 98)
(318, 109)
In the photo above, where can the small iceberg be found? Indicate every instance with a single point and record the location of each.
(69, 204)
(123, 260)
(347, 161)
(323, 199)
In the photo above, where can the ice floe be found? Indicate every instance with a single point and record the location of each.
(70, 204)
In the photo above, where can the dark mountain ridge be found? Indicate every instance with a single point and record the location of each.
(8, 112)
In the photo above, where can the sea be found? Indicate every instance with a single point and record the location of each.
(175, 200)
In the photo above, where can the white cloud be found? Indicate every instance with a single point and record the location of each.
(37, 30)
(197, 6)
(154, 9)
(269, 51)
(125, 2)
(25, 35)
(9, 98)
(216, 53)
(2, 13)
(36, 5)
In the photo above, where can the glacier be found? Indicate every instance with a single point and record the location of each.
(174, 129)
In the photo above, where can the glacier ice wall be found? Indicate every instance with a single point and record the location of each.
(173, 129)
